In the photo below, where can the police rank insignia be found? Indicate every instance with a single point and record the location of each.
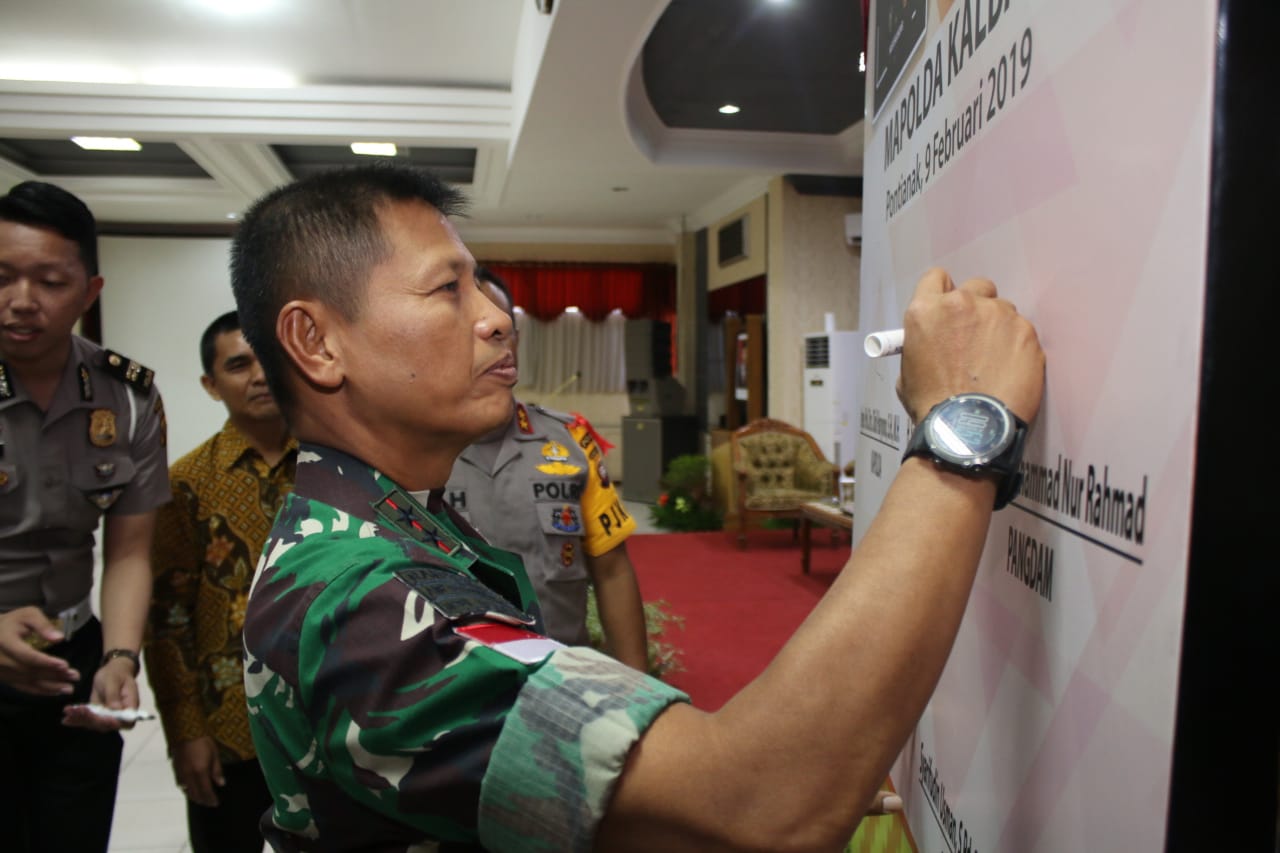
(102, 427)
(565, 519)
(522, 420)
(566, 554)
(557, 456)
(129, 371)
(86, 383)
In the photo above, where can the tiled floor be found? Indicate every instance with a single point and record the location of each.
(151, 815)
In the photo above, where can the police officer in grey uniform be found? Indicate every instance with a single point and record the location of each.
(82, 437)
(539, 487)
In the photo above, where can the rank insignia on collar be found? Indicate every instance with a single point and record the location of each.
(129, 371)
(522, 420)
(6, 389)
(4, 477)
(102, 427)
(105, 498)
(86, 383)
(403, 513)
(104, 470)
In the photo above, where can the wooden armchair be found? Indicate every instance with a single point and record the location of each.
(778, 468)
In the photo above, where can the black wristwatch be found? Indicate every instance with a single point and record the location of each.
(977, 435)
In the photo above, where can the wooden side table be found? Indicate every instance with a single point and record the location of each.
(823, 514)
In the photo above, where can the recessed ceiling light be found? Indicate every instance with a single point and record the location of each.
(374, 149)
(730, 109)
(107, 143)
(233, 215)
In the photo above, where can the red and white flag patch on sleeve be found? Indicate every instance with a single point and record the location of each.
(513, 641)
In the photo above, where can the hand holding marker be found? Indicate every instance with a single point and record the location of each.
(885, 343)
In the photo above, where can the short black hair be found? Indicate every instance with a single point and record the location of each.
(228, 322)
(42, 205)
(319, 237)
(488, 275)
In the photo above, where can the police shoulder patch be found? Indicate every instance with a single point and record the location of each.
(127, 371)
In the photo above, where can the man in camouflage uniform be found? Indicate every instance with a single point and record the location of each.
(539, 487)
(402, 694)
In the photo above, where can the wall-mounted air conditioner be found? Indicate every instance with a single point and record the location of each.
(853, 229)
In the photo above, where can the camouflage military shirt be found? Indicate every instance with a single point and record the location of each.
(400, 694)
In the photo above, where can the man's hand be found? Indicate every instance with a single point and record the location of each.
(198, 770)
(114, 686)
(964, 340)
(24, 668)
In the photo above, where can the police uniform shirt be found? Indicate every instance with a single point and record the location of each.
(545, 494)
(100, 448)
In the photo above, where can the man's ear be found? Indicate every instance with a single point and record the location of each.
(91, 293)
(209, 388)
(305, 329)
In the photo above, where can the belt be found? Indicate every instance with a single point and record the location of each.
(74, 618)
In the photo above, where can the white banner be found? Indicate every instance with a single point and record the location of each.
(1060, 149)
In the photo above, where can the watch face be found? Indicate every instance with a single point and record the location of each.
(970, 429)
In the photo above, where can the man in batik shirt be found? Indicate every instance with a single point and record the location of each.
(226, 493)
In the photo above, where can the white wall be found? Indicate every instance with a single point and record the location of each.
(160, 294)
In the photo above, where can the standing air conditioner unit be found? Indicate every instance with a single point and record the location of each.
(830, 411)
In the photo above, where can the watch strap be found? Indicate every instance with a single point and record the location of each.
(1006, 468)
(112, 654)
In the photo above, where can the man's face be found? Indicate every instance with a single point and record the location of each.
(44, 290)
(237, 380)
(427, 356)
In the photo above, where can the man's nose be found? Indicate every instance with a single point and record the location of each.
(22, 296)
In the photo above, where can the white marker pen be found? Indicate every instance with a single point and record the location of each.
(881, 344)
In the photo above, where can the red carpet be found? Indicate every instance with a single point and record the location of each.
(739, 607)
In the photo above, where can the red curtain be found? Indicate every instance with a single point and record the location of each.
(544, 290)
(743, 298)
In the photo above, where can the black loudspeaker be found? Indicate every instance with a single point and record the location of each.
(648, 350)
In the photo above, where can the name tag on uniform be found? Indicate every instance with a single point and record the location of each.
(516, 643)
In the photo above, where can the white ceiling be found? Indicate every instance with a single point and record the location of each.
(553, 104)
